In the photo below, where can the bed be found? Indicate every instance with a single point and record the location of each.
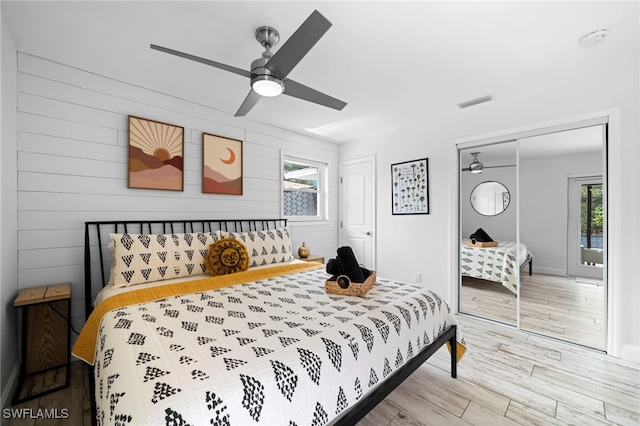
(263, 346)
(498, 264)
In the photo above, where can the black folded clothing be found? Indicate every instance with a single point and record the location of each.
(346, 264)
(485, 237)
(333, 267)
(349, 265)
(480, 236)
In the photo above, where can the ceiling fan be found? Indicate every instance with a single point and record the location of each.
(269, 73)
(477, 167)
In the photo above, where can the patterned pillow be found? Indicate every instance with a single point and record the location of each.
(227, 256)
(189, 253)
(143, 258)
(265, 247)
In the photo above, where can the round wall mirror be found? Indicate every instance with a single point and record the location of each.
(490, 198)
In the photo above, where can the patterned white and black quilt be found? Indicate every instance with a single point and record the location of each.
(278, 351)
(498, 264)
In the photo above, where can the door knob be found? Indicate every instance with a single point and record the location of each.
(367, 233)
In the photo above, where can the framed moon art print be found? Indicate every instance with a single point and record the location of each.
(221, 165)
(155, 155)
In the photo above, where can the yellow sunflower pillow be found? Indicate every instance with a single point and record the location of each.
(227, 256)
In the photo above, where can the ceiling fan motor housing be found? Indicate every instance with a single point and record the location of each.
(263, 80)
(259, 73)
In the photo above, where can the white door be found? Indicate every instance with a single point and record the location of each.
(357, 209)
(585, 253)
(484, 201)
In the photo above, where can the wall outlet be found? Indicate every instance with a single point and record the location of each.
(417, 277)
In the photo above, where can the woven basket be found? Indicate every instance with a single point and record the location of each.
(355, 289)
(481, 244)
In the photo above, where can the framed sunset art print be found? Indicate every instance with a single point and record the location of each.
(155, 155)
(221, 165)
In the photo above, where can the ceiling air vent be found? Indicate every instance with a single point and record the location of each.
(476, 101)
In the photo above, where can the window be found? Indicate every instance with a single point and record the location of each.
(591, 216)
(591, 221)
(304, 189)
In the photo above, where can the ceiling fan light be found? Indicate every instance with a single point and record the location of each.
(475, 166)
(267, 85)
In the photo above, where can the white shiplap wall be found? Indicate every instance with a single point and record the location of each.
(72, 168)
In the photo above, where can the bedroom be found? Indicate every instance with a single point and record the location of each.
(71, 126)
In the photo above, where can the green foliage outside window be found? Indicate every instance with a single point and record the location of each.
(597, 208)
(292, 167)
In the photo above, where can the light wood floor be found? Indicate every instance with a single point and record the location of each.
(506, 377)
(510, 377)
(554, 306)
(75, 400)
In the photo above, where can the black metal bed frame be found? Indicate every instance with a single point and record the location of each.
(528, 261)
(101, 229)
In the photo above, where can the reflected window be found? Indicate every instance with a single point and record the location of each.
(591, 220)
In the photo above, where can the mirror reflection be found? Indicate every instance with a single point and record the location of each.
(490, 198)
(568, 239)
(558, 187)
(488, 272)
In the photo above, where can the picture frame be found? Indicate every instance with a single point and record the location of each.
(221, 165)
(155, 155)
(410, 187)
(506, 199)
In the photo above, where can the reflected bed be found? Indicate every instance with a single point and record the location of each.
(498, 264)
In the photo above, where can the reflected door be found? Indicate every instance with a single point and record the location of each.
(483, 200)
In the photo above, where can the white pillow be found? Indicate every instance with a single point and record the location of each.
(265, 247)
(143, 258)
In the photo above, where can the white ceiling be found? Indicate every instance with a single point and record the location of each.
(396, 64)
(586, 139)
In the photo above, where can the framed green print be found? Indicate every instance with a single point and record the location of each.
(410, 187)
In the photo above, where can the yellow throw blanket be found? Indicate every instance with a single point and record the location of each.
(461, 348)
(86, 344)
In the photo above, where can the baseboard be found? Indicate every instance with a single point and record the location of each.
(630, 353)
(10, 388)
(546, 271)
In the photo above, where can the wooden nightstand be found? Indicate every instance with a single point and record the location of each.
(312, 259)
(45, 340)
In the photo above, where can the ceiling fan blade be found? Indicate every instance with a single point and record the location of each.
(249, 102)
(229, 68)
(297, 46)
(468, 169)
(300, 91)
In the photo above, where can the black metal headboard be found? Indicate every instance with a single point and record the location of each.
(96, 239)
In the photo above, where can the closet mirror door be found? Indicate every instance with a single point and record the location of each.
(488, 231)
(562, 211)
